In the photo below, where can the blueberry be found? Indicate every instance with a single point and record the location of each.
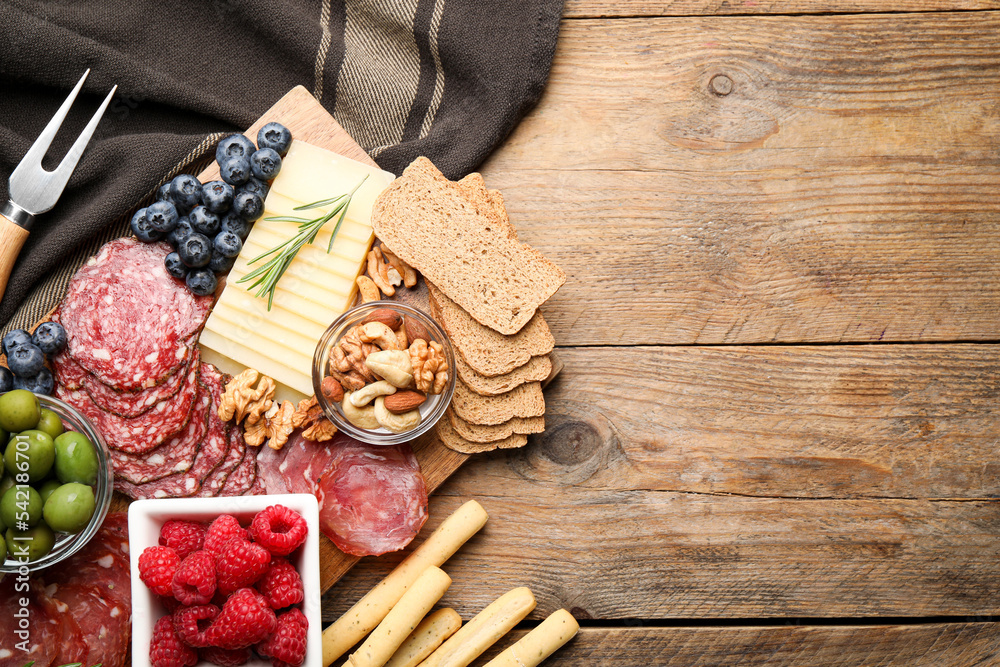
(162, 216)
(40, 383)
(227, 244)
(175, 266)
(185, 191)
(276, 137)
(14, 339)
(217, 196)
(181, 232)
(219, 264)
(204, 221)
(50, 338)
(201, 282)
(26, 361)
(6, 380)
(195, 251)
(237, 225)
(248, 206)
(235, 170)
(235, 145)
(143, 229)
(163, 193)
(256, 186)
(265, 163)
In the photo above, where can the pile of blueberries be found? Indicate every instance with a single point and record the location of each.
(26, 355)
(207, 224)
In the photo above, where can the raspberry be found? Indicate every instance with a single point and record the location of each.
(156, 568)
(166, 648)
(288, 643)
(221, 531)
(194, 580)
(240, 564)
(182, 536)
(190, 625)
(245, 619)
(281, 585)
(225, 657)
(279, 529)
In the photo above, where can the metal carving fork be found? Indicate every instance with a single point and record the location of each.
(33, 190)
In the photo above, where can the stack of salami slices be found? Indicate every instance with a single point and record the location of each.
(132, 366)
(79, 612)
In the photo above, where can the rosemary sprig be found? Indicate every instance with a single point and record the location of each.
(267, 275)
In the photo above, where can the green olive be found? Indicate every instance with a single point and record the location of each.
(19, 410)
(76, 459)
(50, 423)
(5, 484)
(47, 487)
(32, 452)
(3, 549)
(69, 508)
(20, 506)
(31, 544)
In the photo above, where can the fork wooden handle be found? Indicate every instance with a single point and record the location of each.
(12, 237)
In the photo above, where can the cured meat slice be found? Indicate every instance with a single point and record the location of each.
(68, 374)
(147, 431)
(212, 452)
(304, 463)
(173, 456)
(47, 629)
(241, 479)
(269, 468)
(259, 487)
(236, 449)
(132, 404)
(373, 498)
(126, 319)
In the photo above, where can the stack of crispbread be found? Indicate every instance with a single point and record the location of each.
(485, 287)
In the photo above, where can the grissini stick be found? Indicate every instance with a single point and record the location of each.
(540, 643)
(369, 611)
(430, 634)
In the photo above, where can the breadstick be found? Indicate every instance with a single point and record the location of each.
(540, 643)
(484, 630)
(359, 620)
(402, 619)
(431, 632)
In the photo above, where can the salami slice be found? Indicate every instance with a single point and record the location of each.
(143, 433)
(126, 319)
(173, 456)
(259, 486)
(269, 469)
(45, 627)
(212, 452)
(68, 374)
(241, 479)
(373, 498)
(212, 486)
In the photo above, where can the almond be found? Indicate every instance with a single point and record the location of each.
(404, 401)
(415, 330)
(386, 316)
(332, 390)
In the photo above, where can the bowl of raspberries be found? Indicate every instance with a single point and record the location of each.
(226, 581)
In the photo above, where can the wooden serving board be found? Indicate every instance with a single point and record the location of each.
(310, 122)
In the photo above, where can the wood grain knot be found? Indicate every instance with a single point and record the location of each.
(571, 443)
(721, 85)
(579, 613)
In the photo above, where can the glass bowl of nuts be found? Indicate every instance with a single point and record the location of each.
(384, 372)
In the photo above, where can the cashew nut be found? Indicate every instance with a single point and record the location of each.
(360, 417)
(380, 334)
(392, 365)
(368, 393)
(395, 423)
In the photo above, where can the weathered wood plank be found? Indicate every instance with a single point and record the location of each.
(700, 483)
(843, 190)
(630, 8)
(932, 645)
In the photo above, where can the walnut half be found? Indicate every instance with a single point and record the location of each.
(430, 367)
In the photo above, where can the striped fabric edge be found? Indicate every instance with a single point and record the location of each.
(50, 291)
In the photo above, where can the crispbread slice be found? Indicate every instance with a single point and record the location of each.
(524, 401)
(487, 352)
(535, 370)
(453, 440)
(487, 202)
(476, 433)
(429, 223)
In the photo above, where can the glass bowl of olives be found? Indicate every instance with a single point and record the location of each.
(57, 481)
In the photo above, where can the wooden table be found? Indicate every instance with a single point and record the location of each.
(775, 440)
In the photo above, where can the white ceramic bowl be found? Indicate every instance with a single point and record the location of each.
(146, 517)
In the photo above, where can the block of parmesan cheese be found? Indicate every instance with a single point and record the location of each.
(317, 287)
